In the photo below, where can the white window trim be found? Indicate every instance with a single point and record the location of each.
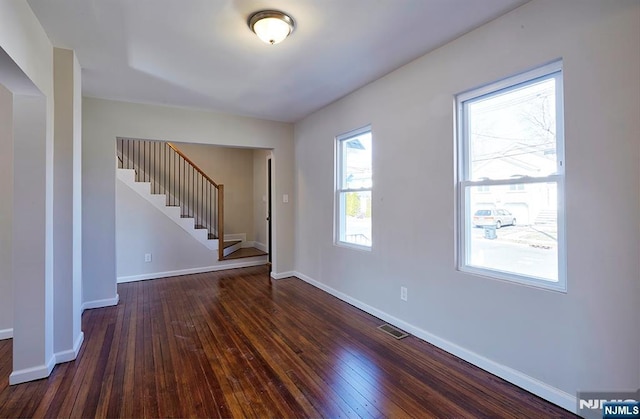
(337, 213)
(463, 167)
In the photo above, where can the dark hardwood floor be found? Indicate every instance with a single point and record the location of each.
(235, 344)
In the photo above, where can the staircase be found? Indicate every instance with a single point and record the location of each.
(172, 183)
(174, 213)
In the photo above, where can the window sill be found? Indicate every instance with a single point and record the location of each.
(532, 282)
(353, 246)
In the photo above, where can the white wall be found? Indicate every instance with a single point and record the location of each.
(25, 41)
(32, 257)
(26, 68)
(104, 121)
(66, 276)
(552, 343)
(77, 203)
(6, 212)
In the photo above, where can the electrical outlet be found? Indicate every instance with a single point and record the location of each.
(403, 293)
(147, 257)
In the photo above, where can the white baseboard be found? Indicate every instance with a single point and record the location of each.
(71, 354)
(108, 302)
(34, 373)
(260, 246)
(6, 334)
(282, 275)
(535, 386)
(238, 236)
(220, 267)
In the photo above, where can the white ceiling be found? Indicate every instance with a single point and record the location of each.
(201, 54)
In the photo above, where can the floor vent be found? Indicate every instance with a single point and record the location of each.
(393, 331)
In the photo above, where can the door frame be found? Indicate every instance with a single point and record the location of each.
(269, 209)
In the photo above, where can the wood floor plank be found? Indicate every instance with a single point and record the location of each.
(237, 344)
(164, 373)
(279, 389)
(358, 376)
(76, 385)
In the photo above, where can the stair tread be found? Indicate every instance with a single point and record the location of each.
(230, 243)
(245, 252)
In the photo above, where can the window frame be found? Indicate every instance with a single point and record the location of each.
(464, 182)
(339, 220)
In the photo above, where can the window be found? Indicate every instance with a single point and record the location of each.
(353, 188)
(511, 139)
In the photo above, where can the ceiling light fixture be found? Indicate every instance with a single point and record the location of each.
(271, 26)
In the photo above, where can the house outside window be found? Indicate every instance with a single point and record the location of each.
(511, 179)
(354, 184)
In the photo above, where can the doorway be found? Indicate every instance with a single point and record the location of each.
(269, 216)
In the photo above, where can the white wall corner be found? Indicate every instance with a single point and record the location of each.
(6, 334)
(259, 246)
(554, 395)
(282, 275)
(71, 354)
(33, 373)
(107, 302)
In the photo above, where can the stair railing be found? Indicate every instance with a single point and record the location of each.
(184, 184)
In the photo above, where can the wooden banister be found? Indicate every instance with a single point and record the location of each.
(220, 222)
(220, 226)
(195, 166)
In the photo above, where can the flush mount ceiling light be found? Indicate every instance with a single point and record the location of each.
(271, 26)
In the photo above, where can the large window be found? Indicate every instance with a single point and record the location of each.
(353, 188)
(511, 179)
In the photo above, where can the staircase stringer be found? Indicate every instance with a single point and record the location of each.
(128, 177)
